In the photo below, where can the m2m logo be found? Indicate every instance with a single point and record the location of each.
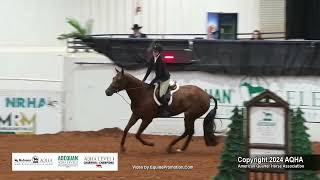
(18, 123)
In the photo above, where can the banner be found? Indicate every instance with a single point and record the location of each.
(64, 161)
(231, 91)
(30, 112)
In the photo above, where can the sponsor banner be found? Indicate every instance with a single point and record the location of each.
(231, 91)
(64, 161)
(31, 112)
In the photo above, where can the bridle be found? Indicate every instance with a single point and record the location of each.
(117, 92)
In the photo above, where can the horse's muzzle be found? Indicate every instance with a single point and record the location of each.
(109, 92)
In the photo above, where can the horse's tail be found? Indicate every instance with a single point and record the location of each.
(209, 125)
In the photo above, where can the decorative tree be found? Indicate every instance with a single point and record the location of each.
(234, 147)
(80, 31)
(300, 144)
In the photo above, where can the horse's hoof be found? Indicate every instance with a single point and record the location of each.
(179, 150)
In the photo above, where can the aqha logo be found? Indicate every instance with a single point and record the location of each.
(41, 160)
(35, 159)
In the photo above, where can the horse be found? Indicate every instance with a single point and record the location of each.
(190, 100)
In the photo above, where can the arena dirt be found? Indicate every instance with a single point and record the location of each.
(204, 160)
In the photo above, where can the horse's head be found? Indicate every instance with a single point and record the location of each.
(118, 83)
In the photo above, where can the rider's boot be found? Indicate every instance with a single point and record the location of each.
(164, 109)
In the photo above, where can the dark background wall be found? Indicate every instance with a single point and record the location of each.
(218, 56)
(303, 19)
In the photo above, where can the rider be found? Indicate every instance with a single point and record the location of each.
(162, 77)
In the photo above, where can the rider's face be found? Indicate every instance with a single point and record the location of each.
(155, 53)
(136, 31)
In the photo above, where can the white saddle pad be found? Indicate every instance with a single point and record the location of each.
(171, 93)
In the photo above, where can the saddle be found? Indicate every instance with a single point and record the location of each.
(173, 87)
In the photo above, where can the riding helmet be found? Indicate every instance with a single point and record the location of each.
(157, 47)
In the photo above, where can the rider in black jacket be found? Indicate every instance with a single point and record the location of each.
(162, 77)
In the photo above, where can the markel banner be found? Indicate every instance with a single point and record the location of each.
(32, 112)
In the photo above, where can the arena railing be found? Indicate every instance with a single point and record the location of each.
(76, 45)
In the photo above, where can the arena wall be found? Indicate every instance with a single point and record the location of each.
(31, 94)
(82, 104)
(87, 107)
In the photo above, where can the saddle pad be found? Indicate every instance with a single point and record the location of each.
(155, 97)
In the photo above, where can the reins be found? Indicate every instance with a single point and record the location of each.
(127, 90)
(135, 88)
(123, 98)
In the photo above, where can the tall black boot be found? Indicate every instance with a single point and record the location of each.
(164, 109)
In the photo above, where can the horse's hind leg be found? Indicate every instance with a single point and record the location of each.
(169, 149)
(186, 143)
(143, 126)
(189, 131)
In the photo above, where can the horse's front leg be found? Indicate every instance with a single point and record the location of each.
(144, 124)
(132, 121)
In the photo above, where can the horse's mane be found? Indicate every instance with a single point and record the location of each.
(133, 79)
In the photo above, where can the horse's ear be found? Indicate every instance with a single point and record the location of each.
(116, 70)
(122, 71)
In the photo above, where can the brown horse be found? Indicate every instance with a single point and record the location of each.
(191, 100)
